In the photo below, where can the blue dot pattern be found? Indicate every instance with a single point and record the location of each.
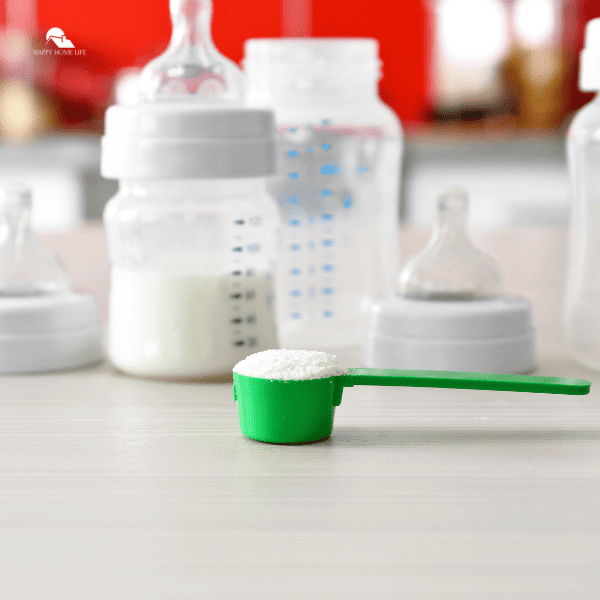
(329, 169)
(293, 153)
(293, 175)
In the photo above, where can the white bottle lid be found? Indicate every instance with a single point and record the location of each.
(43, 326)
(589, 71)
(486, 336)
(48, 332)
(186, 140)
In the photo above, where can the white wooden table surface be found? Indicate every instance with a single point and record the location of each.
(121, 488)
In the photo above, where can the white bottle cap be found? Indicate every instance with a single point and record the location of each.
(186, 140)
(484, 336)
(589, 71)
(48, 332)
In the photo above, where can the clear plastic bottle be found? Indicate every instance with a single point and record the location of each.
(191, 232)
(582, 307)
(337, 184)
(191, 275)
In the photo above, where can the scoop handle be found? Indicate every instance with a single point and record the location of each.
(466, 381)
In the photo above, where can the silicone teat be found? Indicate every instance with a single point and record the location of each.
(450, 267)
(191, 66)
(26, 267)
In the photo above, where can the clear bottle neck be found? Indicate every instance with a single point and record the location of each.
(312, 70)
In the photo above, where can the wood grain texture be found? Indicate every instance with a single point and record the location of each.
(125, 488)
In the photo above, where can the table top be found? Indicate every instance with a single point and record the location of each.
(127, 488)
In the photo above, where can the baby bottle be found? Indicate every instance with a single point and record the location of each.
(582, 315)
(337, 184)
(191, 232)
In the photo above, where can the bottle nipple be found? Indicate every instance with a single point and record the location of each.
(26, 267)
(192, 66)
(450, 267)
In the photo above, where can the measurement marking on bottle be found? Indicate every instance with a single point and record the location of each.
(238, 249)
(239, 222)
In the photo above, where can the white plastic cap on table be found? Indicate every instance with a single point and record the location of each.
(450, 314)
(43, 325)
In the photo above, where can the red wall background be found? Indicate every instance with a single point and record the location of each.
(120, 33)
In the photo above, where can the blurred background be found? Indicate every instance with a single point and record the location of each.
(485, 90)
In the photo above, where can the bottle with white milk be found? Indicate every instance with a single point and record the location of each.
(191, 232)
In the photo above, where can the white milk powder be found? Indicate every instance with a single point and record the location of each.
(291, 364)
(165, 324)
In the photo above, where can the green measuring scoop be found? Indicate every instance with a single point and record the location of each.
(300, 411)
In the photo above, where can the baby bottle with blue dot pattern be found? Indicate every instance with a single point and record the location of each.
(337, 185)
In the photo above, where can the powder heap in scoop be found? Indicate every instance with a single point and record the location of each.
(290, 364)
